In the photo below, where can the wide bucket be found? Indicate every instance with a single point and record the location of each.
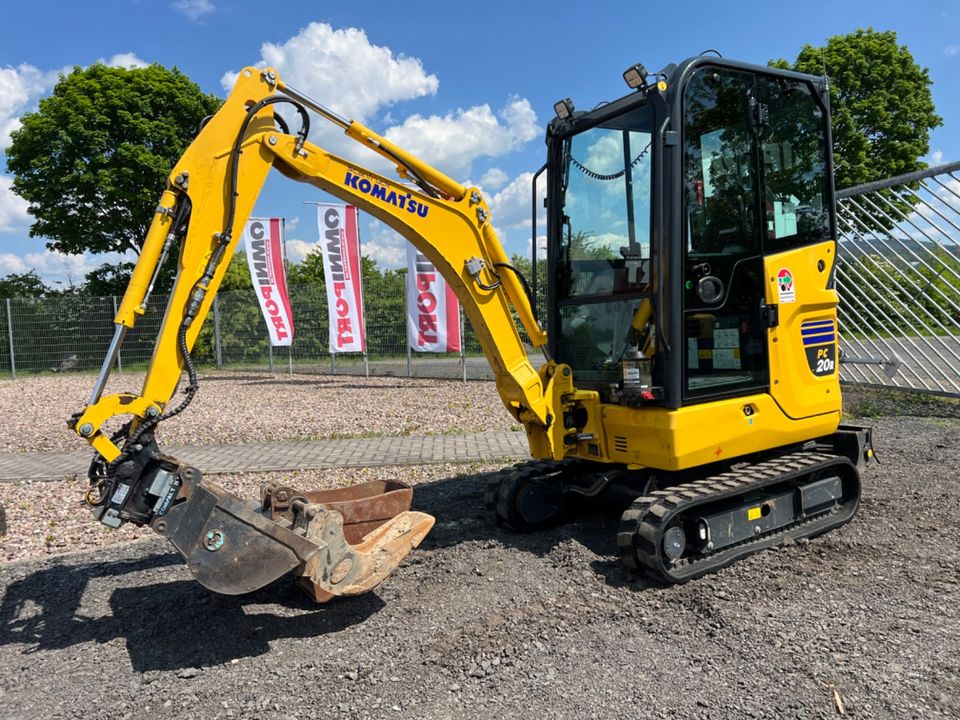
(344, 541)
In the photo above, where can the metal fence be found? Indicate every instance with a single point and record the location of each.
(71, 333)
(898, 274)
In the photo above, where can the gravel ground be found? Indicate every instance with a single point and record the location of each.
(243, 407)
(50, 518)
(483, 623)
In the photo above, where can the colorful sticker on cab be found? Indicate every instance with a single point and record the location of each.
(785, 288)
(820, 345)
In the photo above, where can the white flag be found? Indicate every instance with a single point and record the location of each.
(433, 311)
(263, 238)
(340, 244)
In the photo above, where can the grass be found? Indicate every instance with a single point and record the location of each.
(875, 402)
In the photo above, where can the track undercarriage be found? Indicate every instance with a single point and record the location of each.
(680, 526)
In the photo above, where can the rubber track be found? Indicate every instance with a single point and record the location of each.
(640, 536)
(499, 494)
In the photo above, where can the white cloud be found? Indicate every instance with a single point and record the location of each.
(384, 246)
(194, 9)
(51, 265)
(381, 243)
(297, 250)
(541, 247)
(344, 71)
(20, 89)
(951, 50)
(13, 208)
(935, 158)
(511, 206)
(452, 141)
(55, 267)
(10, 263)
(494, 178)
(387, 256)
(125, 60)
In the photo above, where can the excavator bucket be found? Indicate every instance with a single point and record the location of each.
(339, 542)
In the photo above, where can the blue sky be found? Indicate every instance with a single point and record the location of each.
(469, 86)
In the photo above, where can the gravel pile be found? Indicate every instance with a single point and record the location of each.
(481, 623)
(242, 407)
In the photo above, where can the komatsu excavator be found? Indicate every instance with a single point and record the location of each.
(690, 350)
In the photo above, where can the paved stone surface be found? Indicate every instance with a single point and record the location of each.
(262, 457)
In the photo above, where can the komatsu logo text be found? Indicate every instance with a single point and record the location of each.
(404, 201)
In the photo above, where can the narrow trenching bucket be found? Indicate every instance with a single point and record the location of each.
(344, 541)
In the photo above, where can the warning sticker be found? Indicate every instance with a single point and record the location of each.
(785, 287)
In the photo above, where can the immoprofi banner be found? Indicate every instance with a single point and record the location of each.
(340, 243)
(433, 311)
(263, 238)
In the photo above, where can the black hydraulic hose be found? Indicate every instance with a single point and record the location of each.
(421, 183)
(237, 144)
(523, 282)
(198, 291)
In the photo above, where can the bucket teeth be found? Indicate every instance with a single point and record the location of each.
(339, 542)
(356, 569)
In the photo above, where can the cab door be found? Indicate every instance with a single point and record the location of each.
(799, 245)
(724, 338)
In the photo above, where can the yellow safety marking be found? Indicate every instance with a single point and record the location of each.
(754, 513)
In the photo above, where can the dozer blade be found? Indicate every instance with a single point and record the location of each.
(233, 547)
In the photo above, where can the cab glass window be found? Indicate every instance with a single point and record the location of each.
(720, 177)
(793, 149)
(606, 209)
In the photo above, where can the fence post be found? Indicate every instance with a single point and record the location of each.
(119, 363)
(463, 351)
(216, 331)
(270, 353)
(366, 365)
(333, 363)
(409, 361)
(290, 360)
(13, 363)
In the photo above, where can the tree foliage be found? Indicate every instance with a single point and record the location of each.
(881, 104)
(23, 285)
(94, 157)
(108, 279)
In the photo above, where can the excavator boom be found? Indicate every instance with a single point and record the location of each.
(230, 546)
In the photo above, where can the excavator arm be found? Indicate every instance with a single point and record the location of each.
(229, 546)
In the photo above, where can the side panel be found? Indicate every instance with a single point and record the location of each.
(804, 372)
(709, 432)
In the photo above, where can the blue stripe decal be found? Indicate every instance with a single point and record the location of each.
(819, 339)
(820, 324)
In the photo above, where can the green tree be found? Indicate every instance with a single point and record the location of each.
(881, 104)
(237, 276)
(94, 157)
(23, 285)
(108, 279)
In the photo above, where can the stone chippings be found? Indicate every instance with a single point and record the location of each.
(481, 623)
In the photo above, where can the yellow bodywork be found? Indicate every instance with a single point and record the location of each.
(450, 230)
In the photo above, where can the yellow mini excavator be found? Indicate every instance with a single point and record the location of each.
(690, 346)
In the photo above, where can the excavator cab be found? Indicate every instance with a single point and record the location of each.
(696, 203)
(691, 245)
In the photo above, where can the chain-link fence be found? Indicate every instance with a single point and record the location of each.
(898, 274)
